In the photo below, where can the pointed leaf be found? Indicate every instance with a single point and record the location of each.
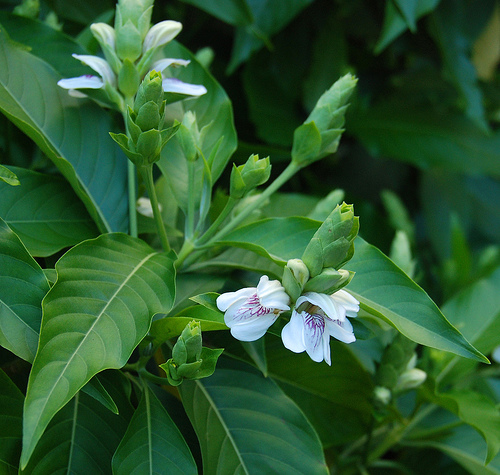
(234, 12)
(45, 213)
(94, 316)
(82, 438)
(246, 424)
(152, 443)
(23, 285)
(11, 425)
(386, 291)
(71, 132)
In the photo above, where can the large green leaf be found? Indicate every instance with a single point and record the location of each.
(336, 399)
(71, 132)
(81, 439)
(214, 111)
(246, 424)
(11, 425)
(94, 316)
(45, 213)
(397, 129)
(153, 443)
(23, 285)
(387, 292)
(278, 239)
(476, 312)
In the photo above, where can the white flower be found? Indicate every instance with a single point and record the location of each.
(251, 311)
(317, 317)
(101, 66)
(176, 85)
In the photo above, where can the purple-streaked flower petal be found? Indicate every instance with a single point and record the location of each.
(81, 82)
(179, 87)
(254, 329)
(272, 294)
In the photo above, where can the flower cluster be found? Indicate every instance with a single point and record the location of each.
(129, 49)
(315, 318)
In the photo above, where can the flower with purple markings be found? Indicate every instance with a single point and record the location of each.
(251, 311)
(317, 317)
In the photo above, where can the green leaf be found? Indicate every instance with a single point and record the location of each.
(476, 312)
(23, 285)
(234, 12)
(261, 237)
(426, 139)
(71, 132)
(246, 424)
(448, 27)
(336, 399)
(82, 437)
(11, 425)
(479, 412)
(8, 176)
(387, 292)
(45, 213)
(95, 389)
(396, 20)
(152, 443)
(169, 327)
(214, 114)
(270, 17)
(94, 316)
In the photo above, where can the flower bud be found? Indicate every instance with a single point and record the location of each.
(333, 243)
(189, 136)
(128, 79)
(320, 134)
(151, 89)
(106, 36)
(161, 34)
(128, 42)
(329, 281)
(410, 379)
(138, 12)
(245, 178)
(295, 277)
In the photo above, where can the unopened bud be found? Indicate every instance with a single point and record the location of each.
(245, 178)
(410, 379)
(329, 281)
(295, 277)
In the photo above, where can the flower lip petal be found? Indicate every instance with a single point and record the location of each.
(341, 331)
(81, 82)
(227, 299)
(293, 334)
(272, 294)
(179, 87)
(347, 301)
(164, 63)
(99, 65)
(326, 303)
(254, 329)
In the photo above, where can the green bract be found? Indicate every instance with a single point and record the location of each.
(245, 178)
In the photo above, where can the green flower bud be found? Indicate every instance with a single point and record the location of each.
(106, 36)
(151, 89)
(128, 79)
(245, 178)
(295, 277)
(191, 335)
(128, 42)
(329, 281)
(149, 116)
(333, 243)
(138, 12)
(410, 379)
(188, 136)
(149, 145)
(382, 395)
(320, 134)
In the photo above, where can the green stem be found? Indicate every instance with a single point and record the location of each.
(230, 204)
(132, 198)
(147, 175)
(152, 377)
(191, 201)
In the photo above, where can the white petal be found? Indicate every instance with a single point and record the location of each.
(314, 335)
(255, 329)
(99, 65)
(272, 294)
(175, 85)
(160, 34)
(342, 331)
(326, 349)
(224, 301)
(163, 64)
(293, 334)
(330, 307)
(82, 82)
(347, 301)
(76, 93)
(104, 33)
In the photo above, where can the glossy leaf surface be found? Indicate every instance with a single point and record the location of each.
(246, 424)
(23, 285)
(96, 313)
(45, 213)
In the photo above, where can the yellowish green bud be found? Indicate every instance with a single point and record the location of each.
(295, 277)
(329, 281)
(410, 379)
(245, 178)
